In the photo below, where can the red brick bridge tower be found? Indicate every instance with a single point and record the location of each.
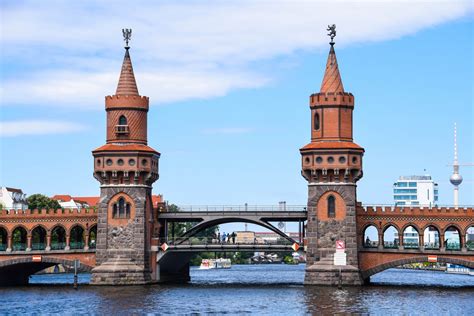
(126, 169)
(332, 164)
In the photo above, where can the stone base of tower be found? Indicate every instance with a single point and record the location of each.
(120, 272)
(324, 272)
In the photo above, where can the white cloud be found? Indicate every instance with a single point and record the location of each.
(227, 130)
(199, 49)
(37, 127)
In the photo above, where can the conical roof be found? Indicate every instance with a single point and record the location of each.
(332, 82)
(127, 84)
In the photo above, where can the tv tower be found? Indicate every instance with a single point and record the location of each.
(456, 178)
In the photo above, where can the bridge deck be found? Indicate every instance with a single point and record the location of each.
(229, 248)
(263, 215)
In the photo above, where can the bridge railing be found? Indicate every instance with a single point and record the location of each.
(215, 241)
(242, 208)
(392, 208)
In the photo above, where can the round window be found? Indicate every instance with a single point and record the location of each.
(144, 162)
(131, 162)
(109, 162)
(354, 159)
(120, 162)
(342, 159)
(319, 159)
(98, 161)
(330, 159)
(307, 160)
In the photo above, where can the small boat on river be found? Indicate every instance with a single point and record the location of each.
(220, 263)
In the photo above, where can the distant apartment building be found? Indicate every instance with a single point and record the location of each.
(13, 199)
(415, 190)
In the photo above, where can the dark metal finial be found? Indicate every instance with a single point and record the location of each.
(332, 33)
(127, 34)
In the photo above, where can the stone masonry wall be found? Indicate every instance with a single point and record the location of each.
(322, 235)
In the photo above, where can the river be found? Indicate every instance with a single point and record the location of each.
(258, 289)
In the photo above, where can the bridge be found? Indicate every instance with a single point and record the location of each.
(33, 240)
(126, 241)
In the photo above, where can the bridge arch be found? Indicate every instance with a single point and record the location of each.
(410, 241)
(17, 271)
(431, 236)
(77, 236)
(38, 237)
(58, 237)
(453, 243)
(19, 236)
(367, 241)
(418, 259)
(386, 243)
(3, 238)
(218, 221)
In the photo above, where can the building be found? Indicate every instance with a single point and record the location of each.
(332, 165)
(415, 190)
(69, 202)
(126, 168)
(13, 199)
(78, 202)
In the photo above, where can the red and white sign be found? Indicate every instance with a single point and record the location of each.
(340, 245)
(164, 246)
(36, 258)
(295, 247)
(432, 258)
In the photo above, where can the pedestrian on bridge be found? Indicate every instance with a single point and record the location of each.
(233, 237)
(224, 236)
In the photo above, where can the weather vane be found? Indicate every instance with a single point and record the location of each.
(127, 34)
(332, 33)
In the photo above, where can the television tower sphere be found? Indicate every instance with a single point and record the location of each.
(455, 179)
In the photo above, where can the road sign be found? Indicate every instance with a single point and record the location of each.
(340, 259)
(164, 246)
(340, 245)
(295, 247)
(432, 258)
(36, 258)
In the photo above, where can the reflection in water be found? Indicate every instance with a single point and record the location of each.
(259, 289)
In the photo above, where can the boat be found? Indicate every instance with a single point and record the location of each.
(220, 263)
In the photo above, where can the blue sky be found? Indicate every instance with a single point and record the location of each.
(229, 85)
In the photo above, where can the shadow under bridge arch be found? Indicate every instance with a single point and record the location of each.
(16, 271)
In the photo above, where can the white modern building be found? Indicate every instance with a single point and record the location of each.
(13, 199)
(415, 190)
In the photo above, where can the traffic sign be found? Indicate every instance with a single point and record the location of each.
(36, 258)
(295, 247)
(164, 246)
(340, 245)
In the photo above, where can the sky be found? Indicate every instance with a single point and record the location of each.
(229, 84)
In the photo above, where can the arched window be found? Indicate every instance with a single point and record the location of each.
(316, 121)
(331, 206)
(122, 120)
(121, 209)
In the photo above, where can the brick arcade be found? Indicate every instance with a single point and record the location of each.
(120, 240)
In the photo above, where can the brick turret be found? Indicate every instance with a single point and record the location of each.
(332, 164)
(126, 169)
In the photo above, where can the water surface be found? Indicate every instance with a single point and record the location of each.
(258, 289)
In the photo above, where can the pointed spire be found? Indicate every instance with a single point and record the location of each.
(127, 84)
(332, 81)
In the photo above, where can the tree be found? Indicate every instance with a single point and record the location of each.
(40, 201)
(2, 206)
